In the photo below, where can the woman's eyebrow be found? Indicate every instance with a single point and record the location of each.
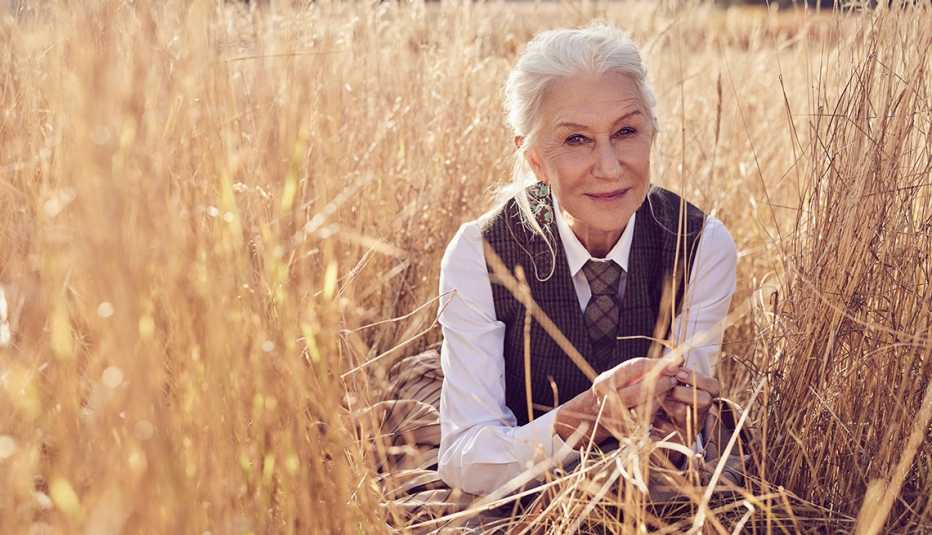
(577, 126)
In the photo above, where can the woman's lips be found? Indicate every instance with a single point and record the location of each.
(609, 196)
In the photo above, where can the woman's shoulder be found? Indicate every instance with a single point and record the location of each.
(665, 204)
(715, 227)
(463, 268)
(470, 234)
(465, 247)
(714, 230)
(716, 244)
(465, 253)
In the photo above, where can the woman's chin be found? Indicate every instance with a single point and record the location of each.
(602, 216)
(610, 220)
(613, 223)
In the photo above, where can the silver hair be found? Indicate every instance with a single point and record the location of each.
(549, 56)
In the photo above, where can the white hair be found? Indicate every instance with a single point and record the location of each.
(555, 54)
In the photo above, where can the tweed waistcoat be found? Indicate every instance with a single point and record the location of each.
(650, 267)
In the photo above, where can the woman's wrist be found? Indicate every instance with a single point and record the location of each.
(579, 411)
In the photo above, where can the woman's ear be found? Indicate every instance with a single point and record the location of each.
(533, 160)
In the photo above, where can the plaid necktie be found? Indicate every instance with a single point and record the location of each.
(601, 312)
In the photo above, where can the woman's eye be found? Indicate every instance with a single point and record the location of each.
(576, 139)
(626, 131)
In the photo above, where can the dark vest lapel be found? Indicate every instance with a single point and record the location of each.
(637, 315)
(559, 293)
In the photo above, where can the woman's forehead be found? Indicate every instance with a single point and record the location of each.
(591, 101)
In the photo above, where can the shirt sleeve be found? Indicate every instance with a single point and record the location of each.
(712, 285)
(481, 447)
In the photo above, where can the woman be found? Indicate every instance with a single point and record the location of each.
(598, 244)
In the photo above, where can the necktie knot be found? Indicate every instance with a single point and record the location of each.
(603, 277)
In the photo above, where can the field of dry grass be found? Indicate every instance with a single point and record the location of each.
(208, 215)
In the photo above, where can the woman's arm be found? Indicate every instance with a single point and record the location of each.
(481, 447)
(712, 284)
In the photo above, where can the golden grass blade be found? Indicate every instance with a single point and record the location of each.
(881, 493)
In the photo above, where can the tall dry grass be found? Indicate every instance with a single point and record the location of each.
(209, 212)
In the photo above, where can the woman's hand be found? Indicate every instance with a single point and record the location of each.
(686, 407)
(637, 384)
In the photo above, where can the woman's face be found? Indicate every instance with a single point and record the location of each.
(594, 151)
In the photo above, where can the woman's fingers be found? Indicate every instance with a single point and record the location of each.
(690, 396)
(700, 381)
(676, 411)
(639, 393)
(682, 401)
(634, 370)
(693, 395)
(640, 383)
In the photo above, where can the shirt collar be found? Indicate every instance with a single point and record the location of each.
(577, 255)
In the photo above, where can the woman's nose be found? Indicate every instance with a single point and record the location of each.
(607, 164)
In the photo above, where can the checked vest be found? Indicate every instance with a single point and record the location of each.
(650, 267)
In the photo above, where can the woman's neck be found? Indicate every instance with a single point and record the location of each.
(597, 242)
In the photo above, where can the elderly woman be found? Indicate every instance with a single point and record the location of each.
(598, 244)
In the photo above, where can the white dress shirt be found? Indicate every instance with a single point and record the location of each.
(481, 447)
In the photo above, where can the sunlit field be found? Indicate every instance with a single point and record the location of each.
(220, 224)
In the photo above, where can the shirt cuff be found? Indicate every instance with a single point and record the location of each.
(538, 438)
(698, 446)
(698, 449)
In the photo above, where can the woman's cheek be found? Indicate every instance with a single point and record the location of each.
(571, 164)
(641, 153)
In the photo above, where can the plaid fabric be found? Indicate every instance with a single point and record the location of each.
(601, 312)
(653, 256)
